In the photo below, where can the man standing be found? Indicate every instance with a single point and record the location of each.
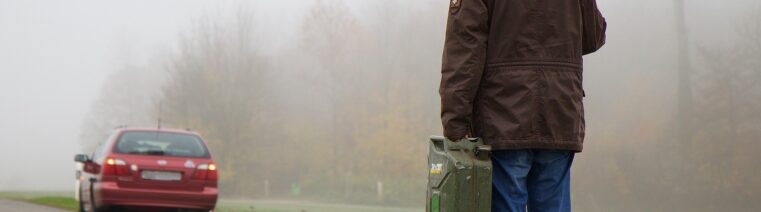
(512, 75)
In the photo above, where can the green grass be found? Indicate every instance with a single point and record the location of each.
(66, 203)
(62, 200)
(33, 194)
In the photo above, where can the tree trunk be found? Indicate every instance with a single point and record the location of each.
(684, 92)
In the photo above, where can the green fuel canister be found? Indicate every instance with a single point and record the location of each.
(459, 177)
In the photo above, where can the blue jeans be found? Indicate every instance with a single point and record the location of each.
(537, 180)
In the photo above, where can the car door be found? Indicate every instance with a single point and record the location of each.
(91, 172)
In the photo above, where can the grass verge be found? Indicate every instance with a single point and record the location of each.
(66, 203)
(62, 200)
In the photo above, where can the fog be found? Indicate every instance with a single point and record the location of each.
(333, 96)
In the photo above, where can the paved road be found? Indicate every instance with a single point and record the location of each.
(10, 205)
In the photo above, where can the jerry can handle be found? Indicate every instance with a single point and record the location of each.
(438, 143)
(482, 149)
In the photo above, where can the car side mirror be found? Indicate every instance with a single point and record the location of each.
(82, 158)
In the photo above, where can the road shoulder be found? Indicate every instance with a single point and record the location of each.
(15, 205)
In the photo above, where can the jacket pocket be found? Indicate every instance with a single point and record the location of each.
(531, 103)
(508, 102)
(561, 106)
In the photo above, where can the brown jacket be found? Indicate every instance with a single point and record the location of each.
(512, 71)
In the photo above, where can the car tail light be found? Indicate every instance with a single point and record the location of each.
(212, 172)
(206, 172)
(115, 166)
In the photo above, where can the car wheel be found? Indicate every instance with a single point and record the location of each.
(81, 204)
(92, 205)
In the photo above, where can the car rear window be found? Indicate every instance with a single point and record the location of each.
(161, 143)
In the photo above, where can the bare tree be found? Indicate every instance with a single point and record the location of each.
(127, 98)
(219, 86)
(728, 109)
(684, 87)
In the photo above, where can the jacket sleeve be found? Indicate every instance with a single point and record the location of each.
(594, 26)
(462, 65)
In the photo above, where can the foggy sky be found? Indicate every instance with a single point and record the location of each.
(55, 56)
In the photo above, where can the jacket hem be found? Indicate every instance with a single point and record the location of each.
(538, 62)
(576, 146)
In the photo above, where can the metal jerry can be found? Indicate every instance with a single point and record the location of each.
(459, 177)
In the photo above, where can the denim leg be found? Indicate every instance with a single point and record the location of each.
(510, 171)
(549, 181)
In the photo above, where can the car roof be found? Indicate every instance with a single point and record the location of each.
(169, 130)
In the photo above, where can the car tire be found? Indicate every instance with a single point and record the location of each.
(93, 207)
(81, 204)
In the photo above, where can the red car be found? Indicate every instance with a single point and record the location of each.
(149, 168)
